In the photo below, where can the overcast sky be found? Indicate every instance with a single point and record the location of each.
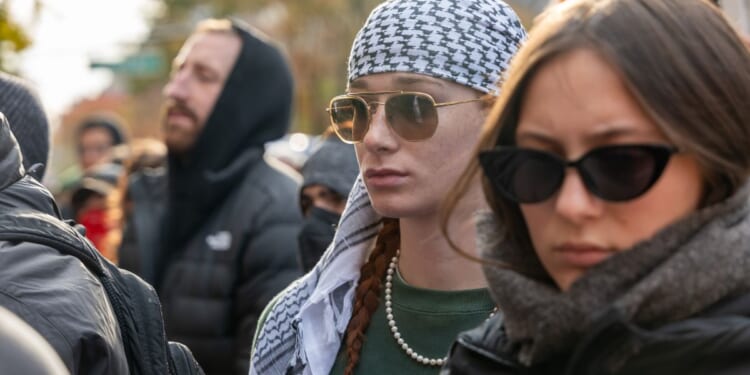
(67, 35)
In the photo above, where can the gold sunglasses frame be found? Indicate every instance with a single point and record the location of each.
(371, 105)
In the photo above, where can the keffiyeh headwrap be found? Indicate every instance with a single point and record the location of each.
(465, 41)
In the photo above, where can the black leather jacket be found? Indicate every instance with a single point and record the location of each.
(713, 342)
(53, 293)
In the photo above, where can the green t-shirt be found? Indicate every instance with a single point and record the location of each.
(428, 320)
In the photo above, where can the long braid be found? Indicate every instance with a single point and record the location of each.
(367, 297)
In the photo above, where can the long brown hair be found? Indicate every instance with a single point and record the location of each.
(367, 296)
(680, 59)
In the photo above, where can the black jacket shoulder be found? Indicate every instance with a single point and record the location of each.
(713, 342)
(65, 303)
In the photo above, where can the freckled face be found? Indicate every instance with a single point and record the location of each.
(425, 170)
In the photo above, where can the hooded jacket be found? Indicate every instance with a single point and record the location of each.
(333, 165)
(52, 292)
(228, 243)
(677, 303)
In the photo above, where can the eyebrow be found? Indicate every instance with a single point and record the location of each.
(400, 81)
(417, 81)
(607, 132)
(361, 85)
(532, 135)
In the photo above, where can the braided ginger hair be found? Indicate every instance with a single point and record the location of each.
(367, 297)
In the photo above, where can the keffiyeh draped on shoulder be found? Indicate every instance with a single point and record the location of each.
(304, 328)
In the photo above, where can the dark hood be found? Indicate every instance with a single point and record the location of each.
(17, 191)
(253, 108)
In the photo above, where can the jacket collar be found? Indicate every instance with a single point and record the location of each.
(11, 161)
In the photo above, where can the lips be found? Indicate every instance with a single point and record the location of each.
(176, 109)
(383, 178)
(582, 255)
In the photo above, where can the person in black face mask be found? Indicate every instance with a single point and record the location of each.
(328, 175)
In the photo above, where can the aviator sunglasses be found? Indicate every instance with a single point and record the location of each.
(411, 115)
(613, 173)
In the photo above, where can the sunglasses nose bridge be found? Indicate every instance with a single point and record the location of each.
(583, 174)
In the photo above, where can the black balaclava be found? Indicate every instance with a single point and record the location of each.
(253, 108)
(316, 234)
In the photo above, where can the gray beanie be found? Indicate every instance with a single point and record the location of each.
(469, 42)
(27, 119)
(334, 165)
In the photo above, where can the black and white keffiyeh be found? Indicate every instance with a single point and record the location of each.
(466, 41)
(303, 330)
(469, 42)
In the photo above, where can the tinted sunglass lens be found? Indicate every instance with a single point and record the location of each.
(621, 173)
(349, 117)
(524, 176)
(412, 117)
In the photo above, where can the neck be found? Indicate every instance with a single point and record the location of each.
(427, 259)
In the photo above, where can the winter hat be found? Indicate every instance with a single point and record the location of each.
(469, 42)
(334, 165)
(108, 122)
(27, 119)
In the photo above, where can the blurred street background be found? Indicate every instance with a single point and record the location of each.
(114, 56)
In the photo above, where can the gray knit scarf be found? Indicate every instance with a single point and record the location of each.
(679, 272)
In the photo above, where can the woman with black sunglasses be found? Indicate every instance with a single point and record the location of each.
(390, 295)
(616, 163)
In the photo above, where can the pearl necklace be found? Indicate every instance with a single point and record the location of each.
(392, 321)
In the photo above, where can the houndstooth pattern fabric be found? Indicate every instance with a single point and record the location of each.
(304, 327)
(469, 42)
(466, 41)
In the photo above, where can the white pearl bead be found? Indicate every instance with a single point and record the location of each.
(394, 327)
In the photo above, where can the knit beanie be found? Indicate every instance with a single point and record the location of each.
(107, 121)
(28, 122)
(333, 165)
(469, 42)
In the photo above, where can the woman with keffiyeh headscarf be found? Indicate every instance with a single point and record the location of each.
(390, 294)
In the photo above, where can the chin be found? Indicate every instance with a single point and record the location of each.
(397, 207)
(177, 146)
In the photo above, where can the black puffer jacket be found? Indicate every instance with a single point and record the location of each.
(54, 293)
(215, 288)
(229, 234)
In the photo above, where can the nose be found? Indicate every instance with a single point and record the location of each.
(379, 137)
(177, 87)
(574, 202)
